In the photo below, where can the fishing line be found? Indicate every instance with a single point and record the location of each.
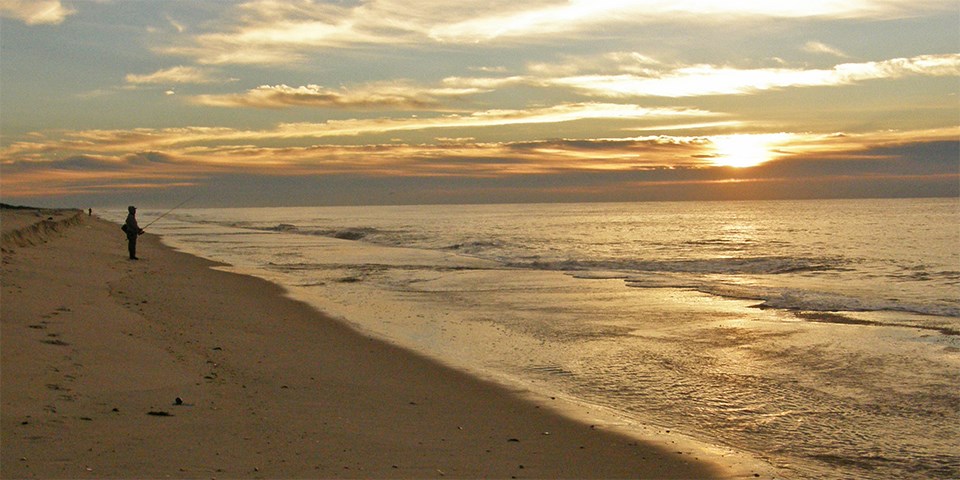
(172, 209)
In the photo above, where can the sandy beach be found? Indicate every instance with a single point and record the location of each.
(166, 367)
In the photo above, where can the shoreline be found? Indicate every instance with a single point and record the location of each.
(96, 349)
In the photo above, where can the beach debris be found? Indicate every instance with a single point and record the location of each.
(159, 413)
(178, 401)
(513, 439)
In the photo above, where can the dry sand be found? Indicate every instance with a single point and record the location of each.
(96, 349)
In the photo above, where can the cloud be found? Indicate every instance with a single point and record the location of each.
(184, 164)
(549, 18)
(630, 75)
(228, 147)
(174, 148)
(272, 32)
(819, 47)
(703, 80)
(489, 118)
(179, 27)
(233, 148)
(689, 126)
(173, 75)
(36, 12)
(641, 168)
(398, 94)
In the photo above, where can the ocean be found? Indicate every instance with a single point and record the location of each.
(822, 336)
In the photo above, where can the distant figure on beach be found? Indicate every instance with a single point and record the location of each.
(89, 212)
(133, 231)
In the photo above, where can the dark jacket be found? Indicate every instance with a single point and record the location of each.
(133, 230)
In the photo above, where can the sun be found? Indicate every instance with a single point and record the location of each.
(745, 150)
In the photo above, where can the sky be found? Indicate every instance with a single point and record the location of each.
(362, 102)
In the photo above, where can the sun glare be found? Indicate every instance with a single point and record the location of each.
(745, 150)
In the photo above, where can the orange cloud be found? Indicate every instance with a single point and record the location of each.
(147, 139)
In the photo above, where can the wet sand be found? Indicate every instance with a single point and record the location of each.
(166, 367)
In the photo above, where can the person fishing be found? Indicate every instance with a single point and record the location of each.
(133, 230)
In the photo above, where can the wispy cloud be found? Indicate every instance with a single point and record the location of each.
(174, 75)
(236, 147)
(36, 12)
(624, 75)
(76, 162)
(142, 139)
(545, 18)
(488, 118)
(396, 94)
(820, 47)
(689, 126)
(93, 160)
(272, 32)
(648, 79)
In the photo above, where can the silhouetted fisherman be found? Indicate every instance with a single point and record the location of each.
(133, 231)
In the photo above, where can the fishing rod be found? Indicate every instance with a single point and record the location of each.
(168, 211)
